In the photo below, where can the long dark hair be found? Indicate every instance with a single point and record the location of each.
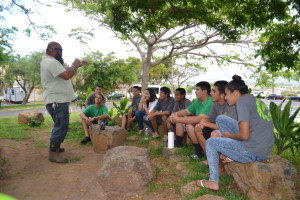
(237, 84)
(152, 95)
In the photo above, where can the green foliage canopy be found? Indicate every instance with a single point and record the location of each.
(107, 71)
(26, 72)
(230, 18)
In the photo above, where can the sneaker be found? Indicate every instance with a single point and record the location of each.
(193, 156)
(85, 140)
(155, 135)
(165, 139)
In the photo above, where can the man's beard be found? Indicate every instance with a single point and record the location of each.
(59, 59)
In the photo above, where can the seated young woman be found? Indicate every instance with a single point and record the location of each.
(248, 139)
(146, 105)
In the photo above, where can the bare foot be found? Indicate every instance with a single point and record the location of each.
(211, 185)
(204, 162)
(225, 159)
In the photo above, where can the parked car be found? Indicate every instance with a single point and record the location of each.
(275, 96)
(294, 98)
(115, 96)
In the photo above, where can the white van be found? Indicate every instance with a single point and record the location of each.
(156, 88)
(15, 94)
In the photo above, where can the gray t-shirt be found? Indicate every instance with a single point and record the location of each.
(256, 112)
(163, 105)
(55, 89)
(90, 100)
(135, 102)
(224, 109)
(181, 106)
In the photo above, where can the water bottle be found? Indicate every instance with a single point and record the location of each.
(170, 139)
(146, 136)
(102, 125)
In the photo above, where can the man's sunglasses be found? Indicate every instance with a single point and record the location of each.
(58, 49)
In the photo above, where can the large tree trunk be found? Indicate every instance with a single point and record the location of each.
(146, 68)
(145, 76)
(27, 95)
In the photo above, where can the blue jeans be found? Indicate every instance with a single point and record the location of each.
(227, 124)
(228, 147)
(141, 118)
(60, 116)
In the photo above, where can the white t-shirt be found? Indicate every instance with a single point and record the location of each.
(152, 105)
(55, 88)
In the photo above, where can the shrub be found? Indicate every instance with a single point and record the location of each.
(121, 110)
(287, 131)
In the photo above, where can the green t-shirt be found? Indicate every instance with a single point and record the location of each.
(197, 107)
(92, 111)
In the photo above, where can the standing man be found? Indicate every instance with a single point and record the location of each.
(58, 92)
(91, 98)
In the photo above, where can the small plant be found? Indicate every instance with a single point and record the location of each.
(34, 122)
(111, 113)
(287, 131)
(121, 110)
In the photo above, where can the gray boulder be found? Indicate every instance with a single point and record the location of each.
(126, 171)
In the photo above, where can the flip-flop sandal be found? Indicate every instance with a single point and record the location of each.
(201, 185)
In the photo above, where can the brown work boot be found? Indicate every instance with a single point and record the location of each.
(56, 157)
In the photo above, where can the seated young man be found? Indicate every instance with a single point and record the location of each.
(180, 104)
(200, 107)
(130, 116)
(92, 115)
(90, 100)
(205, 129)
(161, 111)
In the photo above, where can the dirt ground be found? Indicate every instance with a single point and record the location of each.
(30, 176)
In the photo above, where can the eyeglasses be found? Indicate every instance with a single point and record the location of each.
(58, 49)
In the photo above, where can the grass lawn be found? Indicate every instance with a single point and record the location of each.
(166, 176)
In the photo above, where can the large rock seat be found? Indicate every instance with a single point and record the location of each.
(26, 117)
(103, 140)
(272, 179)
